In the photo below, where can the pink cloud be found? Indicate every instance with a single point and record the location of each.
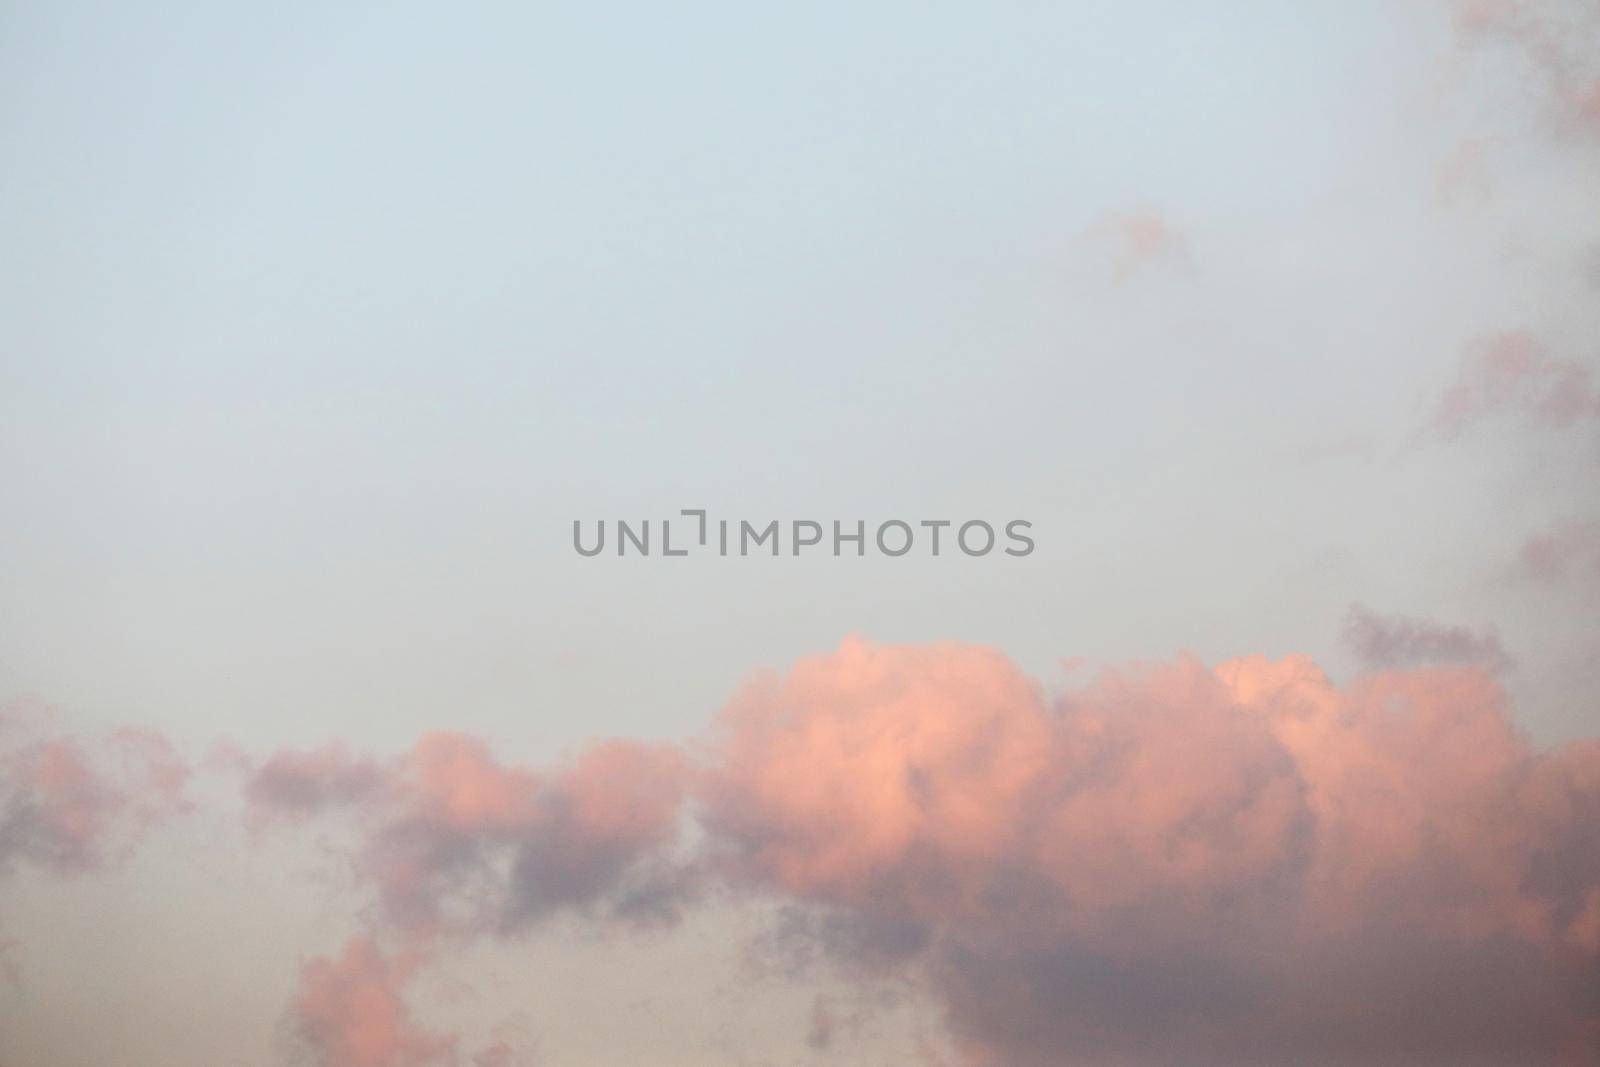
(1172, 863)
(1177, 863)
(1566, 549)
(305, 782)
(1555, 41)
(71, 804)
(455, 840)
(1512, 373)
(498, 1054)
(1136, 239)
(350, 1011)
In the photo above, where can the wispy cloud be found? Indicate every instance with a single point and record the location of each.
(1385, 641)
(1463, 176)
(1556, 40)
(1138, 239)
(1512, 374)
(1567, 549)
(350, 1012)
(72, 803)
(455, 840)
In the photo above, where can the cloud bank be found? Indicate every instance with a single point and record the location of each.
(1174, 863)
(1182, 864)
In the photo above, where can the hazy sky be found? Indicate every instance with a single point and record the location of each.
(319, 326)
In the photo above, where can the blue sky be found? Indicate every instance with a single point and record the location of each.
(324, 325)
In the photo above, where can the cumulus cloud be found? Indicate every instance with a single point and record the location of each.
(1383, 641)
(1511, 373)
(454, 840)
(1180, 863)
(1172, 863)
(70, 804)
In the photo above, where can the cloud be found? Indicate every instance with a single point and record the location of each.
(1173, 863)
(456, 841)
(820, 1034)
(1384, 641)
(71, 804)
(1176, 863)
(307, 782)
(1139, 238)
(350, 1012)
(1566, 549)
(1555, 40)
(1511, 373)
(1464, 175)
(836, 1017)
(502, 1054)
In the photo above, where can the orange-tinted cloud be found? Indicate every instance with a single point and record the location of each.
(1512, 373)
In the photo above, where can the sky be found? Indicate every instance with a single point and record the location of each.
(320, 327)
